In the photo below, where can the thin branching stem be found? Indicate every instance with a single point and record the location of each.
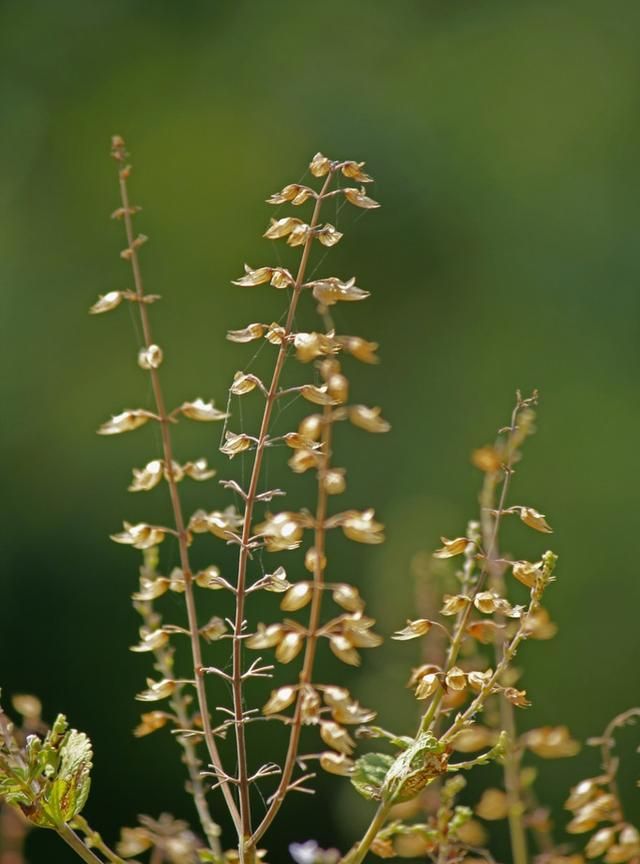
(71, 838)
(314, 624)
(237, 675)
(435, 708)
(176, 505)
(178, 703)
(512, 757)
(607, 743)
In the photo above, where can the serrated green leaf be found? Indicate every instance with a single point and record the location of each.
(369, 774)
(70, 787)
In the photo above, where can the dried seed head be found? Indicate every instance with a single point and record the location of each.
(551, 742)
(304, 460)
(235, 444)
(336, 763)
(151, 641)
(310, 705)
(151, 721)
(297, 597)
(334, 482)
(359, 348)
(427, 685)
(360, 526)
(311, 345)
(275, 582)
(451, 548)
(294, 192)
(600, 842)
(354, 171)
(474, 738)
(157, 690)
(343, 648)
(359, 198)
(150, 358)
(338, 388)
(126, 422)
(289, 647)
(337, 737)
(266, 637)
(205, 412)
(333, 290)
(320, 165)
(414, 629)
(347, 597)
(516, 697)
(311, 427)
(368, 419)
(487, 459)
(317, 395)
(279, 700)
(148, 477)
(526, 572)
(140, 536)
(313, 561)
(283, 228)
(493, 805)
(456, 679)
(106, 302)
(275, 334)
(248, 334)
(454, 603)
(214, 629)
(477, 680)
(535, 520)
(243, 383)
(486, 631)
(283, 531)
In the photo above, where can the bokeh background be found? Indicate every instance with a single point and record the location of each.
(504, 139)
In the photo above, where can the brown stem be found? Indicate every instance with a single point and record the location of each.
(512, 758)
(312, 630)
(435, 709)
(609, 762)
(245, 811)
(176, 505)
(164, 658)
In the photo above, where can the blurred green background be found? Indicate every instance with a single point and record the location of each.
(504, 139)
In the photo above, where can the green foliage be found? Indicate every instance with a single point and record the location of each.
(47, 779)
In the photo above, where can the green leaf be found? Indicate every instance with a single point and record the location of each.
(70, 787)
(369, 774)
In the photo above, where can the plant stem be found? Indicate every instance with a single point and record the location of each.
(167, 449)
(435, 708)
(164, 658)
(357, 854)
(245, 811)
(512, 758)
(71, 838)
(314, 623)
(432, 714)
(94, 839)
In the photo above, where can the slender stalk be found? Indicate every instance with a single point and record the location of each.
(432, 714)
(357, 854)
(435, 708)
(609, 762)
(71, 838)
(236, 682)
(95, 840)
(176, 506)
(164, 664)
(512, 758)
(314, 624)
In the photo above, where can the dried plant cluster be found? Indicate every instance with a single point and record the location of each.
(467, 690)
